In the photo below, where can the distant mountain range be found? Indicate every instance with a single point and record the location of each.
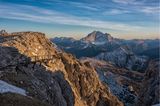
(131, 54)
(99, 42)
(90, 46)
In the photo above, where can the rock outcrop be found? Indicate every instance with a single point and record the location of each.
(3, 33)
(31, 62)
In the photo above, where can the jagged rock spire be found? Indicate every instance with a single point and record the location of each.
(3, 32)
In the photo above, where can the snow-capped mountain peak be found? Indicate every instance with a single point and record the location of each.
(97, 37)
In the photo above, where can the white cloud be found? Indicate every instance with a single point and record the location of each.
(80, 5)
(138, 6)
(36, 14)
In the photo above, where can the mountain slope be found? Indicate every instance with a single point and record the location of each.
(77, 47)
(149, 94)
(123, 83)
(30, 61)
(123, 57)
(153, 53)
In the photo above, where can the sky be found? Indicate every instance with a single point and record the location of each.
(128, 19)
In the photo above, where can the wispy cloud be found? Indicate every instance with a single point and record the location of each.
(124, 1)
(84, 6)
(80, 5)
(150, 10)
(115, 12)
(142, 6)
(37, 14)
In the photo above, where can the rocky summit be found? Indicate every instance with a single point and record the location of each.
(98, 37)
(34, 73)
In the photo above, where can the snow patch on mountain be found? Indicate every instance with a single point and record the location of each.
(5, 87)
(99, 43)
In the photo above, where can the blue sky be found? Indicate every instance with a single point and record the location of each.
(76, 18)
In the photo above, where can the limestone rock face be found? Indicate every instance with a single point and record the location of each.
(31, 62)
(150, 90)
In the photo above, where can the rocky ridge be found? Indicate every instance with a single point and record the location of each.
(30, 61)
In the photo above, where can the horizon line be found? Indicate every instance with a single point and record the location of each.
(69, 36)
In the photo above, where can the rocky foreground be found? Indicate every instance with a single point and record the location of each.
(47, 77)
